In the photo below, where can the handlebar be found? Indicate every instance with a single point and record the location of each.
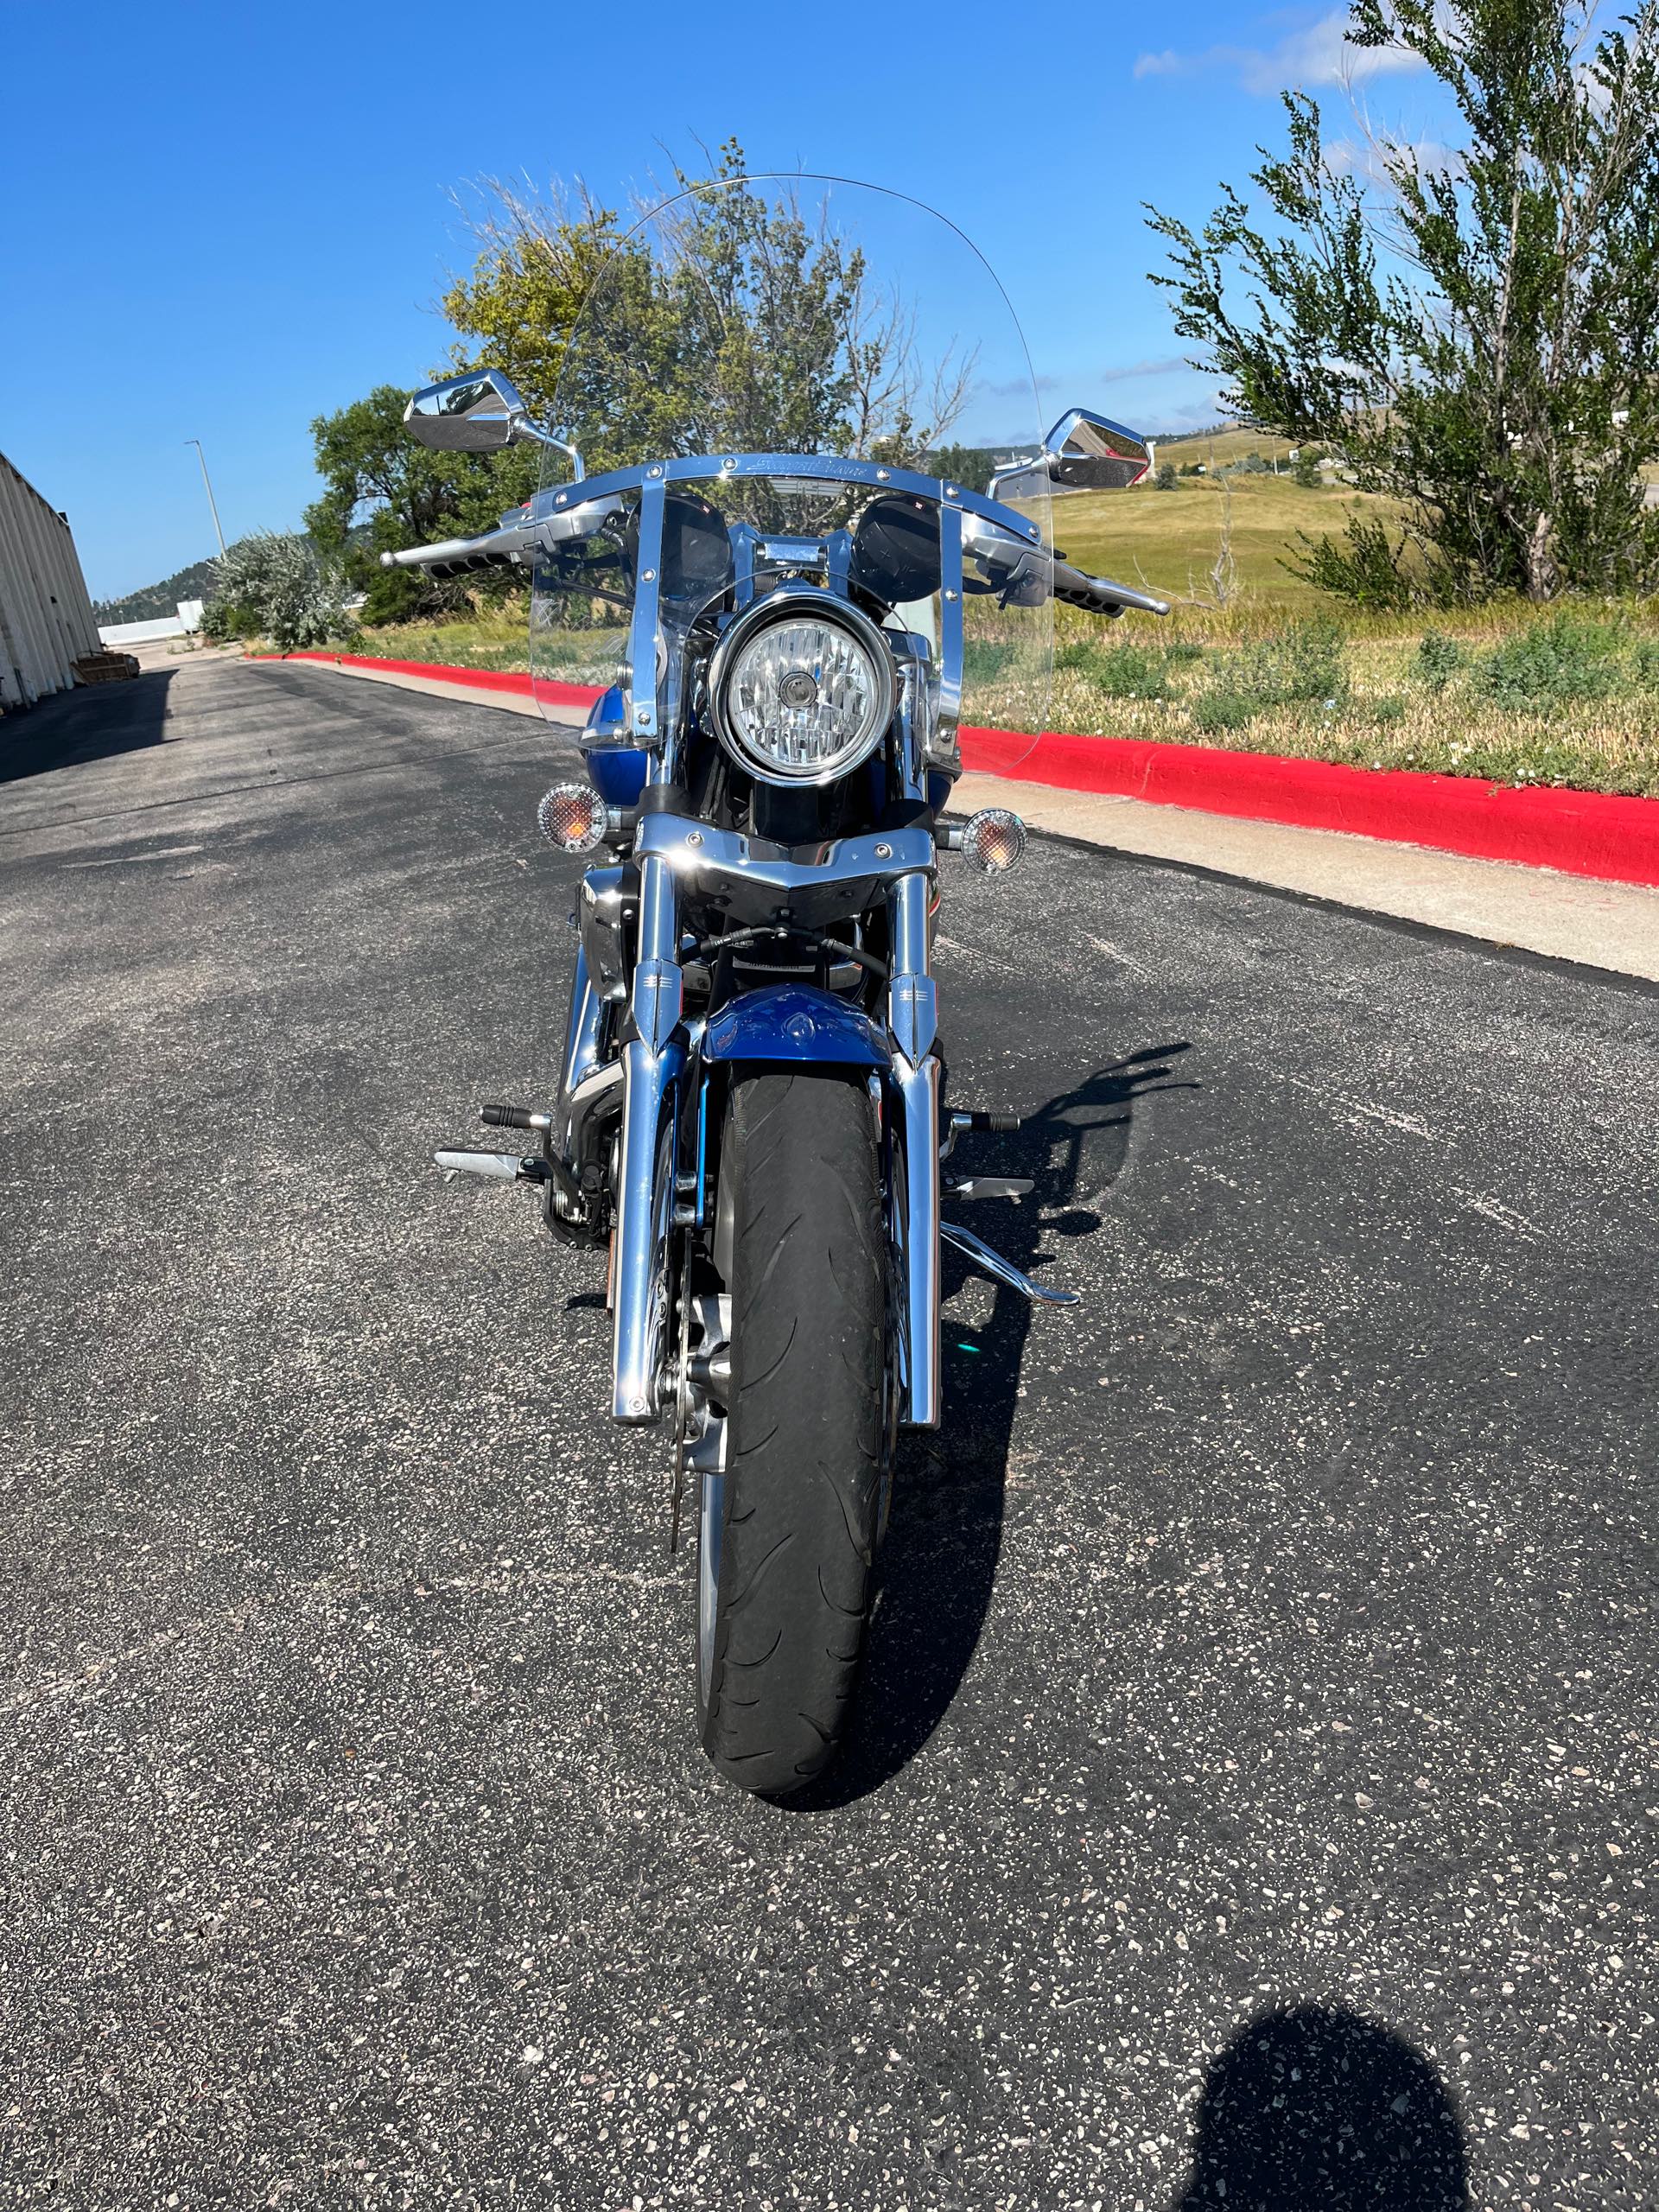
(1099, 595)
(522, 537)
(516, 543)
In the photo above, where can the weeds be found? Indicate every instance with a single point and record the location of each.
(1439, 658)
(1560, 663)
(1125, 671)
(1303, 663)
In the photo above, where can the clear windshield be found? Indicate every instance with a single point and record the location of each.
(793, 315)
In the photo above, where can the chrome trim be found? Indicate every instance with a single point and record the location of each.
(948, 706)
(812, 469)
(913, 995)
(604, 907)
(644, 1223)
(642, 717)
(915, 1229)
(761, 613)
(755, 881)
(582, 1030)
(912, 1011)
(652, 1063)
(1004, 1271)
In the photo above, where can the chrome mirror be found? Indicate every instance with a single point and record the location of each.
(1084, 452)
(480, 412)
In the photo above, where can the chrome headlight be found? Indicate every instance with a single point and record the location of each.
(801, 687)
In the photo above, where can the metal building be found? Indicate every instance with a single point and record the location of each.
(46, 618)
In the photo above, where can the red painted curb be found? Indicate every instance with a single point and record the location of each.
(476, 679)
(1581, 833)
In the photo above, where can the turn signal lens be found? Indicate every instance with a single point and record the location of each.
(993, 840)
(572, 817)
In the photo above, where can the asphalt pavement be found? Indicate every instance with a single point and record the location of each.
(1252, 1800)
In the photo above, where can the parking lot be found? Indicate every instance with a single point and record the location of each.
(1253, 1799)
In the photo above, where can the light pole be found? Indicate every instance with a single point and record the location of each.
(208, 482)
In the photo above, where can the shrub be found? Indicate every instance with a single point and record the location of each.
(1307, 470)
(1128, 670)
(1645, 664)
(297, 601)
(1165, 480)
(1222, 708)
(1125, 671)
(1302, 663)
(1439, 660)
(1550, 665)
(1362, 567)
(225, 622)
(983, 659)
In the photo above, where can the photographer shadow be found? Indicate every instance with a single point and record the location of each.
(1317, 2110)
(938, 1567)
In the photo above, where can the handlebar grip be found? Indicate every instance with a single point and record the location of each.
(1099, 594)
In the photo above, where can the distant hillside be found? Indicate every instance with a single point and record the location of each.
(156, 599)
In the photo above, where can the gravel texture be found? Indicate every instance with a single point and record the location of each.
(1253, 1802)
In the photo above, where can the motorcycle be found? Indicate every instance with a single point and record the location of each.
(787, 615)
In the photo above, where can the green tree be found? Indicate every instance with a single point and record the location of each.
(734, 319)
(1477, 333)
(383, 491)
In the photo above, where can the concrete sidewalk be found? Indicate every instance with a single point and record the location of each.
(1610, 925)
(1599, 924)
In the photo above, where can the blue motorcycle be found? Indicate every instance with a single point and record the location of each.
(791, 615)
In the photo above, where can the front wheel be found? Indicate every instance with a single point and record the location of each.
(788, 1533)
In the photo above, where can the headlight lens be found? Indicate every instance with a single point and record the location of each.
(803, 699)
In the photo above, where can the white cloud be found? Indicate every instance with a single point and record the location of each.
(1319, 55)
(1136, 369)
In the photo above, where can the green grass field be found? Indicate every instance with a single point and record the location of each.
(1167, 542)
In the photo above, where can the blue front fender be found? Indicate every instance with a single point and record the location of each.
(795, 1021)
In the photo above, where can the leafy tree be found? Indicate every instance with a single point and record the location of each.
(1478, 332)
(297, 596)
(733, 320)
(374, 472)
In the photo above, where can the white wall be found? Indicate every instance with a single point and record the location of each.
(46, 618)
(140, 633)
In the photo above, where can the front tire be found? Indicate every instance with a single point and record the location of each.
(796, 1526)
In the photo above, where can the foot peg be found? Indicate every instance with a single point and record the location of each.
(960, 1119)
(514, 1118)
(1001, 1270)
(503, 1167)
(987, 1186)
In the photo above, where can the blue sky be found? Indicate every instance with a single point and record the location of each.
(221, 222)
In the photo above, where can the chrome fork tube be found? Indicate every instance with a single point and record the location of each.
(581, 1033)
(912, 1015)
(652, 1061)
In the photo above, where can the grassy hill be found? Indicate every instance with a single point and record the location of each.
(1170, 539)
(156, 599)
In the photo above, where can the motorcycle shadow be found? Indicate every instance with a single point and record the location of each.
(936, 1571)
